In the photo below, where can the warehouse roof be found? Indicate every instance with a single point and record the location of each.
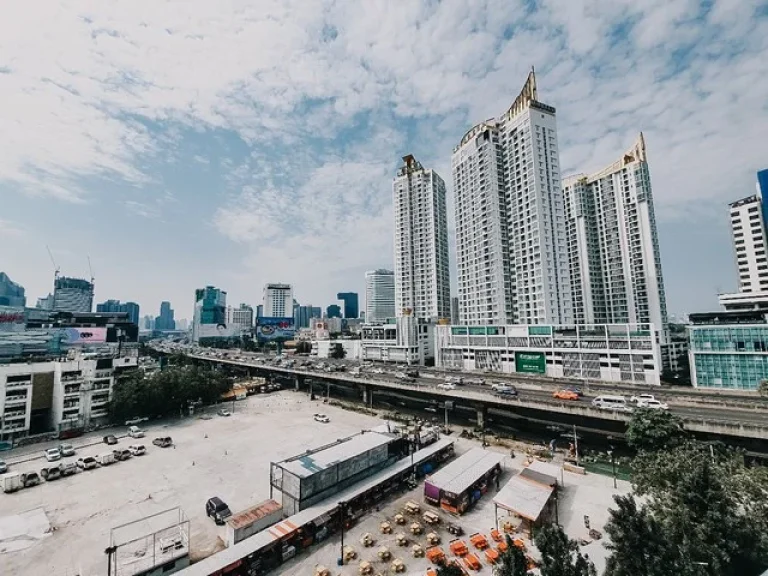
(524, 497)
(460, 474)
(312, 462)
(252, 514)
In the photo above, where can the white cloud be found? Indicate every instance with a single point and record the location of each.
(10, 230)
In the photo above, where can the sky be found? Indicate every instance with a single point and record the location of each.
(184, 144)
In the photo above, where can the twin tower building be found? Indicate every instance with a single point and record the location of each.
(531, 247)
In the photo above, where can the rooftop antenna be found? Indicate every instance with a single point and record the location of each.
(56, 269)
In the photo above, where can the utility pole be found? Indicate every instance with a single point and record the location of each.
(576, 444)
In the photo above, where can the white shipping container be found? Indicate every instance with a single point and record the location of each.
(255, 519)
(11, 482)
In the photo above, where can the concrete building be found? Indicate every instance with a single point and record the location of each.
(608, 352)
(510, 236)
(728, 350)
(45, 303)
(278, 301)
(72, 295)
(405, 339)
(58, 395)
(210, 320)
(379, 295)
(454, 310)
(351, 305)
(166, 319)
(302, 316)
(130, 308)
(422, 280)
(242, 317)
(11, 294)
(613, 246)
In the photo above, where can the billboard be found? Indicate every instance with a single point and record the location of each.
(274, 328)
(11, 319)
(530, 362)
(218, 330)
(71, 336)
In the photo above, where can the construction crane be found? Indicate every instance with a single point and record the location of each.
(90, 269)
(56, 269)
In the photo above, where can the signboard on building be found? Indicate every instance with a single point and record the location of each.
(93, 335)
(530, 362)
(11, 319)
(274, 328)
(218, 330)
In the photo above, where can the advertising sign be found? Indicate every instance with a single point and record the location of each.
(531, 362)
(274, 328)
(71, 336)
(218, 330)
(11, 319)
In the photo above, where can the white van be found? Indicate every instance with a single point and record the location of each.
(607, 402)
(105, 459)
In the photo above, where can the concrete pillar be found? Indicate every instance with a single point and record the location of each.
(366, 393)
(297, 382)
(482, 412)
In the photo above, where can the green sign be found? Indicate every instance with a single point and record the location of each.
(531, 362)
(539, 330)
(477, 330)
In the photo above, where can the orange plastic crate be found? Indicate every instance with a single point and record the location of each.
(479, 541)
(472, 562)
(496, 535)
(491, 555)
(459, 547)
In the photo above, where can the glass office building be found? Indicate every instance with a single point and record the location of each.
(728, 350)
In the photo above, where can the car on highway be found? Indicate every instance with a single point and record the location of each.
(565, 395)
(474, 381)
(640, 398)
(610, 402)
(576, 390)
(447, 386)
(52, 454)
(653, 405)
(87, 463)
(66, 450)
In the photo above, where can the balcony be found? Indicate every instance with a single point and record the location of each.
(103, 374)
(13, 426)
(99, 400)
(15, 400)
(99, 413)
(18, 385)
(71, 390)
(15, 415)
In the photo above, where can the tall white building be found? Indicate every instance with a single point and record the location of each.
(510, 234)
(749, 243)
(613, 246)
(241, 316)
(278, 301)
(379, 295)
(422, 281)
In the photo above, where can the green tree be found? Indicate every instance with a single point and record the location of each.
(303, 347)
(449, 570)
(512, 562)
(653, 430)
(762, 388)
(560, 555)
(338, 352)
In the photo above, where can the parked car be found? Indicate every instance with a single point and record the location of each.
(454, 529)
(50, 473)
(87, 463)
(3, 467)
(217, 509)
(52, 454)
(447, 386)
(67, 450)
(565, 395)
(135, 432)
(321, 418)
(110, 439)
(122, 454)
(224, 413)
(68, 468)
(163, 441)
(29, 479)
(137, 449)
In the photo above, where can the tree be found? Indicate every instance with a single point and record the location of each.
(303, 347)
(512, 562)
(653, 430)
(560, 555)
(449, 570)
(762, 388)
(338, 352)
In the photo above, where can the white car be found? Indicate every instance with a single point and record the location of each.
(643, 398)
(66, 450)
(652, 404)
(137, 449)
(322, 418)
(447, 386)
(52, 454)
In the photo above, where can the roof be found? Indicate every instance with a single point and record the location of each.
(465, 470)
(547, 468)
(540, 477)
(252, 514)
(311, 463)
(524, 496)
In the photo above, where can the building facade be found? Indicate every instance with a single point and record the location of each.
(749, 243)
(510, 234)
(333, 311)
(405, 339)
(613, 246)
(728, 350)
(11, 294)
(130, 308)
(210, 320)
(278, 301)
(379, 295)
(608, 352)
(422, 277)
(242, 317)
(72, 295)
(165, 321)
(351, 304)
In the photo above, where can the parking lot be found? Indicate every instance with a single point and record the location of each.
(226, 457)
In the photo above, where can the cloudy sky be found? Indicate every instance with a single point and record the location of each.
(235, 143)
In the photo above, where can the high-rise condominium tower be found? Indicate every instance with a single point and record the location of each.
(422, 281)
(613, 245)
(278, 301)
(379, 295)
(510, 235)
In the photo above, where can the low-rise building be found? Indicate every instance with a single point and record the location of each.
(609, 352)
(405, 339)
(728, 350)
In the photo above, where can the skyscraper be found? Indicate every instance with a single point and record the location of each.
(210, 313)
(379, 295)
(11, 294)
(333, 311)
(72, 295)
(165, 321)
(278, 301)
(613, 247)
(422, 281)
(351, 305)
(510, 238)
(130, 308)
(750, 243)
